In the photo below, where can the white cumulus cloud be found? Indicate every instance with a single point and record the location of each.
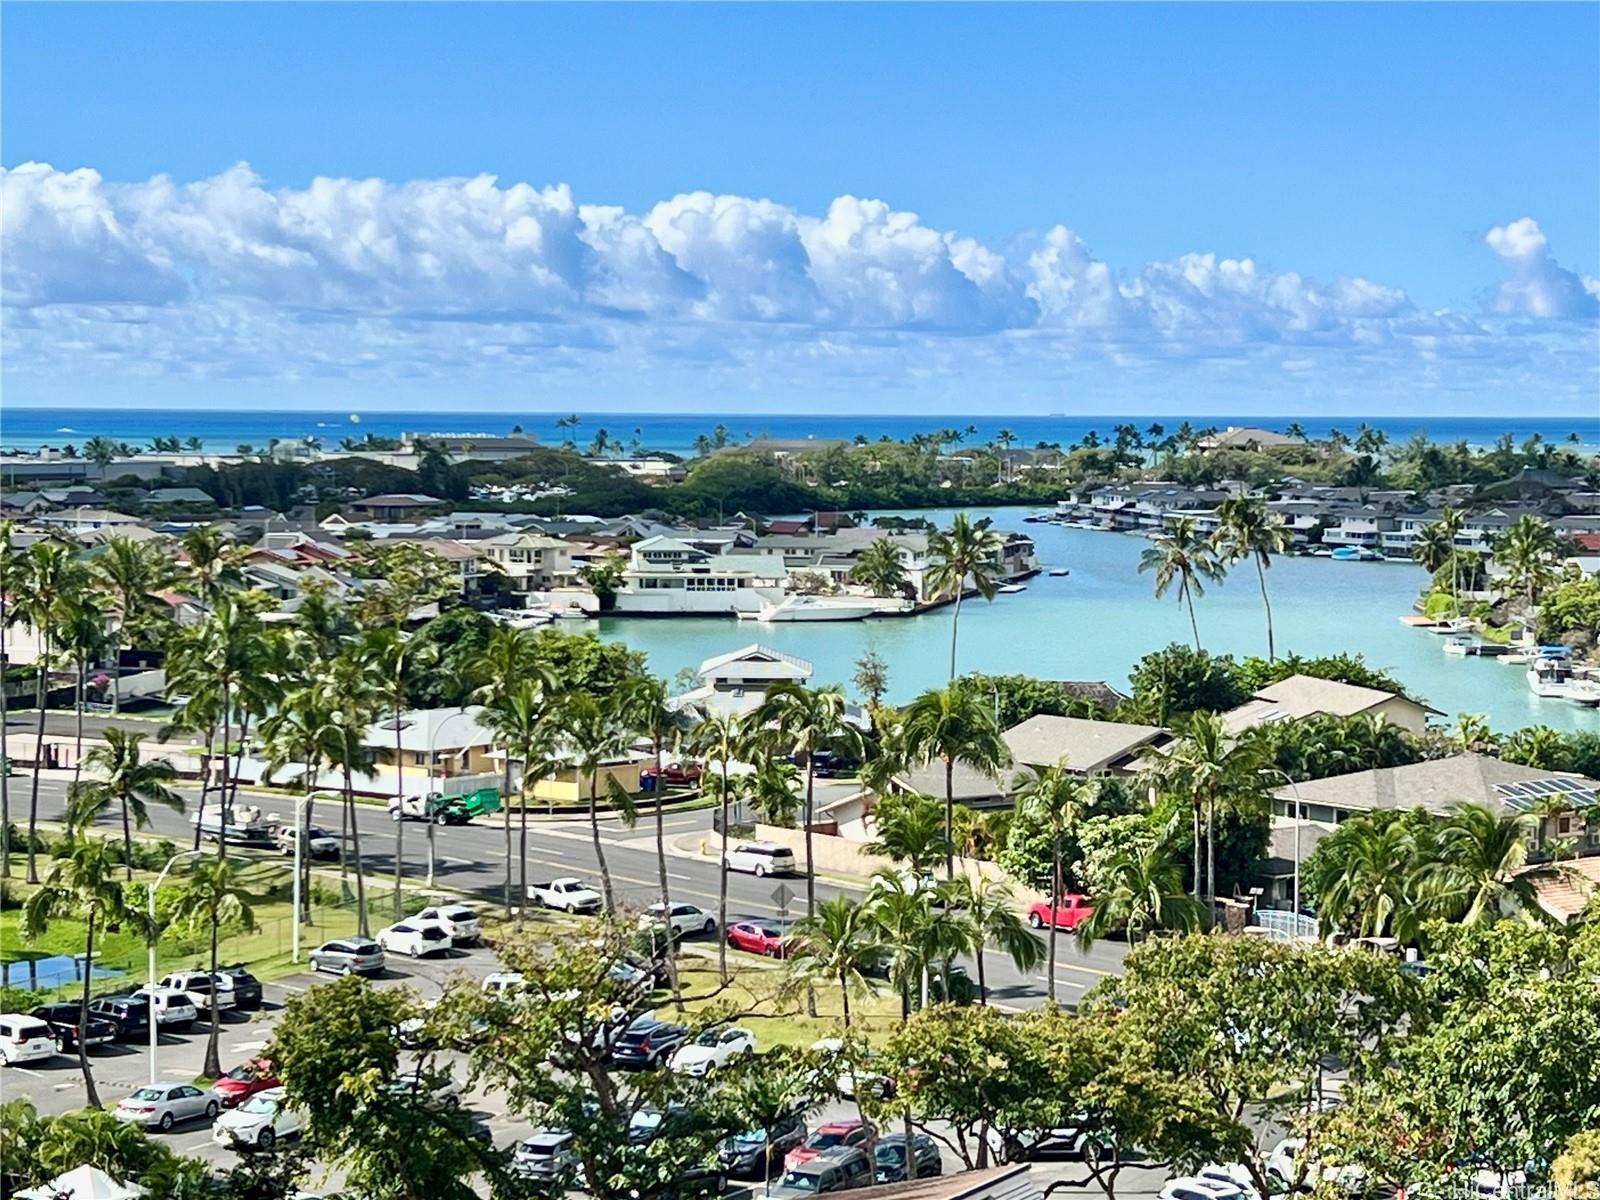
(1539, 286)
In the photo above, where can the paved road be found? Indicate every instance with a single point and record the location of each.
(471, 858)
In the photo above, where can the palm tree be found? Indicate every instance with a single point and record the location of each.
(910, 830)
(1433, 546)
(642, 706)
(1055, 799)
(213, 562)
(595, 736)
(1142, 890)
(1527, 549)
(773, 790)
(81, 626)
(130, 571)
(519, 722)
(297, 731)
(507, 657)
(879, 569)
(127, 780)
(1362, 875)
(1211, 768)
(803, 721)
(81, 884)
(8, 575)
(213, 897)
(839, 944)
(719, 737)
(990, 908)
(393, 658)
(1247, 530)
(1478, 871)
(50, 577)
(1180, 555)
(1451, 522)
(353, 690)
(902, 909)
(953, 725)
(967, 551)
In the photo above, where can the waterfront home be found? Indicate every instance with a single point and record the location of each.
(1247, 437)
(667, 576)
(1559, 800)
(834, 554)
(736, 683)
(1362, 529)
(531, 562)
(1301, 696)
(464, 559)
(1083, 747)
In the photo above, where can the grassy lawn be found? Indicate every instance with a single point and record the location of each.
(758, 984)
(266, 948)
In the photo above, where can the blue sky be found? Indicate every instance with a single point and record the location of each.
(1289, 207)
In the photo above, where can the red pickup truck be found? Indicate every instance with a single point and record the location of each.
(1071, 910)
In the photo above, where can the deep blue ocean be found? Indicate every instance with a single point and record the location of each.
(225, 429)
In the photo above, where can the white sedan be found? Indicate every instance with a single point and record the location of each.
(258, 1123)
(163, 1105)
(684, 920)
(416, 938)
(712, 1049)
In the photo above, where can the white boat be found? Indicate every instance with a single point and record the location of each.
(1460, 644)
(1059, 571)
(522, 618)
(1520, 658)
(818, 608)
(1011, 589)
(1585, 692)
(1453, 625)
(1550, 678)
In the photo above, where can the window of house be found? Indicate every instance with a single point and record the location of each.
(418, 758)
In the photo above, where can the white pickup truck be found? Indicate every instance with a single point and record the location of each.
(567, 894)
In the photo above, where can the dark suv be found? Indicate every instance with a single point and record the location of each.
(755, 1152)
(130, 1014)
(647, 1042)
(246, 987)
(63, 1020)
(889, 1157)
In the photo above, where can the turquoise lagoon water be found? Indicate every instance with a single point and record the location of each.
(1097, 622)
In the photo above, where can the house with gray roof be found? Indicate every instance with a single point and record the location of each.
(1301, 696)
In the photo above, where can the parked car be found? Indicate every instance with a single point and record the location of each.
(319, 844)
(889, 1158)
(246, 987)
(245, 1080)
(1070, 911)
(1189, 1187)
(755, 1152)
(852, 1079)
(757, 937)
(568, 894)
(130, 1014)
(685, 919)
(503, 985)
(257, 1124)
(546, 1155)
(173, 1008)
(345, 956)
(415, 938)
(840, 1169)
(713, 1049)
(63, 1020)
(650, 1122)
(1067, 1142)
(762, 858)
(201, 989)
(163, 1105)
(460, 921)
(24, 1039)
(671, 775)
(440, 1089)
(852, 1131)
(647, 1042)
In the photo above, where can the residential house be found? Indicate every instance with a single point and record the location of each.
(397, 506)
(669, 576)
(1247, 437)
(735, 683)
(465, 559)
(1083, 747)
(531, 562)
(1301, 696)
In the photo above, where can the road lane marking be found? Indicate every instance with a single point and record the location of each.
(1071, 983)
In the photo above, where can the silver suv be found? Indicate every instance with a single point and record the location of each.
(347, 956)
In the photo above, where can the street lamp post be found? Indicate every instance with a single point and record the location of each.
(151, 983)
(433, 753)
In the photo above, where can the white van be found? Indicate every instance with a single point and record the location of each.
(201, 989)
(762, 858)
(24, 1039)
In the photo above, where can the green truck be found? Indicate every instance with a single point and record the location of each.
(445, 810)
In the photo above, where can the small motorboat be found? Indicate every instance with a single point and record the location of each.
(1011, 589)
(1059, 571)
(1585, 692)
(1460, 644)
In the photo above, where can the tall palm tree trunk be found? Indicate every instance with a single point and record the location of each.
(955, 628)
(949, 817)
(205, 780)
(505, 813)
(77, 740)
(1194, 814)
(722, 878)
(594, 833)
(666, 893)
(1055, 900)
(222, 780)
(983, 982)
(1194, 626)
(213, 1066)
(522, 841)
(844, 996)
(400, 825)
(127, 838)
(304, 835)
(38, 764)
(355, 850)
(1211, 851)
(83, 1012)
(1261, 576)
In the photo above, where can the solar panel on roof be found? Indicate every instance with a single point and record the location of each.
(1523, 796)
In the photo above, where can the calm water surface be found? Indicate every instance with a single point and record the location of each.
(1097, 622)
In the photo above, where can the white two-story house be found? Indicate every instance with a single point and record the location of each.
(666, 576)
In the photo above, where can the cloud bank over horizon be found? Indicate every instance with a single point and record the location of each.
(368, 283)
